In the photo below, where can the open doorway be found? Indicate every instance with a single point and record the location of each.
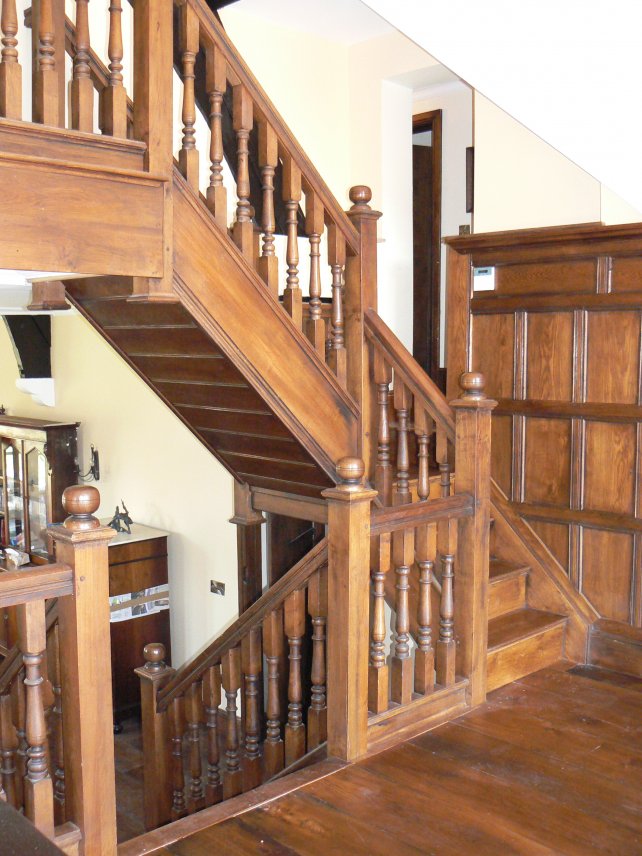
(426, 180)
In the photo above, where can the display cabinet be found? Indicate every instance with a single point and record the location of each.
(38, 460)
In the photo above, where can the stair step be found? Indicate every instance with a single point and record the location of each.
(507, 591)
(522, 642)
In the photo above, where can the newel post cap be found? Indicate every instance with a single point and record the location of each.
(473, 395)
(81, 501)
(350, 471)
(154, 654)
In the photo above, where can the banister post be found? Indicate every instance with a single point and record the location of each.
(85, 663)
(248, 542)
(348, 598)
(360, 295)
(153, 121)
(472, 476)
(153, 676)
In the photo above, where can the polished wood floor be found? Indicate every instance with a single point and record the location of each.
(551, 764)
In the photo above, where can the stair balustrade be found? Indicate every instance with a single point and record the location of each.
(247, 708)
(59, 769)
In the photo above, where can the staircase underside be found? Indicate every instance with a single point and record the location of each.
(180, 362)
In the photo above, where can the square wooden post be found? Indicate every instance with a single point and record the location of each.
(85, 662)
(348, 625)
(472, 468)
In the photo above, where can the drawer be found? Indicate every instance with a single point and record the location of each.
(135, 576)
(138, 550)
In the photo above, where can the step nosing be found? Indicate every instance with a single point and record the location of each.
(556, 621)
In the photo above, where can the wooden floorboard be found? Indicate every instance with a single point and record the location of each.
(552, 764)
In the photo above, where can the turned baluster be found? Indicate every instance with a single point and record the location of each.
(383, 470)
(446, 642)
(314, 225)
(292, 297)
(232, 781)
(82, 87)
(294, 630)
(177, 729)
(422, 431)
(402, 402)
(216, 83)
(45, 98)
(337, 260)
(113, 98)
(10, 70)
(211, 701)
(57, 753)
(425, 654)
(268, 160)
(318, 612)
(38, 788)
(401, 661)
(243, 231)
(8, 749)
(194, 705)
(378, 667)
(18, 713)
(444, 478)
(251, 662)
(273, 645)
(188, 155)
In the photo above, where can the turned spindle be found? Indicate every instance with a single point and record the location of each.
(294, 629)
(232, 781)
(383, 469)
(402, 403)
(82, 87)
(194, 717)
(268, 160)
(211, 703)
(113, 98)
(314, 226)
(177, 729)
(45, 99)
(216, 82)
(337, 259)
(252, 658)
(243, 231)
(273, 646)
(318, 612)
(8, 749)
(292, 297)
(378, 666)
(446, 642)
(188, 155)
(10, 70)
(401, 661)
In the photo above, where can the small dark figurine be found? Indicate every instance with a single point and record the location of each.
(121, 521)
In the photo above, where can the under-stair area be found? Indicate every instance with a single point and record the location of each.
(421, 677)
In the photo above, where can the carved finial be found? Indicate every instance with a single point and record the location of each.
(154, 655)
(350, 471)
(472, 384)
(81, 500)
(360, 196)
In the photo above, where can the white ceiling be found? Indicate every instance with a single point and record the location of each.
(343, 21)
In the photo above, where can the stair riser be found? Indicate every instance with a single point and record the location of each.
(507, 595)
(525, 656)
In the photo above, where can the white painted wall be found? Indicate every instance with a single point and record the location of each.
(149, 459)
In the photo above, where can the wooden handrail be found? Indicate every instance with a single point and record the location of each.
(211, 30)
(13, 663)
(47, 581)
(252, 617)
(411, 372)
(400, 517)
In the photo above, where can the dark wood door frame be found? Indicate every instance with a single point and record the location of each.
(426, 296)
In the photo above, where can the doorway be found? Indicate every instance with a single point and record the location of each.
(426, 218)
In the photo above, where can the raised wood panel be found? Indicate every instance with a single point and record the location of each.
(493, 346)
(613, 357)
(607, 572)
(549, 366)
(106, 221)
(626, 275)
(555, 536)
(551, 278)
(501, 451)
(609, 478)
(547, 466)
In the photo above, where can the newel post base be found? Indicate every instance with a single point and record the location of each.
(472, 475)
(348, 596)
(85, 664)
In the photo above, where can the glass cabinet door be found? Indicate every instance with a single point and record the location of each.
(15, 518)
(36, 477)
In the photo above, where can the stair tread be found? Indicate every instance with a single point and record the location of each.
(514, 626)
(500, 569)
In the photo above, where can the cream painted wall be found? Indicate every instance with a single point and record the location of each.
(149, 459)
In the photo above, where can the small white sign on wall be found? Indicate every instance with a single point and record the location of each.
(484, 279)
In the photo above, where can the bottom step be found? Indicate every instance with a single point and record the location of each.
(523, 642)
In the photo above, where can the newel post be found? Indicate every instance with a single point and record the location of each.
(154, 120)
(360, 295)
(472, 476)
(156, 778)
(85, 663)
(348, 598)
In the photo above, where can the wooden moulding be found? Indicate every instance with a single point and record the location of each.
(616, 646)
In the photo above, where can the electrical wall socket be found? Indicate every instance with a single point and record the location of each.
(217, 587)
